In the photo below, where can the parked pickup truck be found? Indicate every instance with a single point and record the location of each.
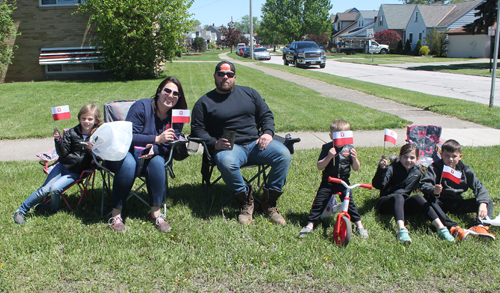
(351, 46)
(304, 54)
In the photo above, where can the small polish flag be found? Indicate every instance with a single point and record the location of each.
(61, 113)
(181, 116)
(390, 136)
(342, 138)
(452, 174)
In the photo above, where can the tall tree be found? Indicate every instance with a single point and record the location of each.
(487, 16)
(244, 25)
(230, 36)
(7, 30)
(137, 35)
(437, 42)
(293, 19)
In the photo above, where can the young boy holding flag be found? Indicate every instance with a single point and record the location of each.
(335, 160)
(443, 184)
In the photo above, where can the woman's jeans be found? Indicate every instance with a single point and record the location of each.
(229, 163)
(153, 170)
(58, 179)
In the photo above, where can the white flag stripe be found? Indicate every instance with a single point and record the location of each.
(60, 109)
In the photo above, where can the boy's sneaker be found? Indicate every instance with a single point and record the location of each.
(306, 230)
(403, 236)
(481, 232)
(116, 223)
(445, 234)
(19, 218)
(460, 233)
(362, 232)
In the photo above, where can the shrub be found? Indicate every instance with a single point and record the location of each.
(407, 48)
(417, 48)
(387, 37)
(399, 47)
(199, 44)
(424, 51)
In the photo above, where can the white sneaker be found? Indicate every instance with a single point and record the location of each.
(362, 232)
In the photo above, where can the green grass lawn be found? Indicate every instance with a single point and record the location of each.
(212, 55)
(205, 252)
(482, 69)
(295, 107)
(391, 58)
(465, 110)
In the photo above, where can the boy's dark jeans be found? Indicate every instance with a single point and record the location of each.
(456, 206)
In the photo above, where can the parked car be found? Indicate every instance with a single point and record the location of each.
(246, 52)
(239, 46)
(261, 54)
(351, 46)
(239, 51)
(304, 54)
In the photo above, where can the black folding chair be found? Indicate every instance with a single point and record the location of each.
(208, 165)
(117, 111)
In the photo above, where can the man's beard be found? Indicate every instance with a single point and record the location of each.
(224, 87)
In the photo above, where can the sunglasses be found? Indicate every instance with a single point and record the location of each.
(168, 91)
(223, 73)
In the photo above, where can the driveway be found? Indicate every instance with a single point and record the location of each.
(457, 86)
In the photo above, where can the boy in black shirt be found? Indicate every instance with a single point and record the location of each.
(335, 161)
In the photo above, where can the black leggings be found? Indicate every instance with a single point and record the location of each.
(397, 205)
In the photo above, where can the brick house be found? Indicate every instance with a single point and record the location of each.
(53, 44)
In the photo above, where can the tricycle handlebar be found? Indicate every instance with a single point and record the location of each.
(338, 180)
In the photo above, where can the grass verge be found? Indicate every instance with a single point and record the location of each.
(481, 69)
(295, 107)
(465, 110)
(212, 55)
(205, 252)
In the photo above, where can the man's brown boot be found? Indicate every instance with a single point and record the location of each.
(268, 206)
(247, 206)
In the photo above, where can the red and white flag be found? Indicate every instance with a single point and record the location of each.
(452, 174)
(390, 136)
(342, 138)
(61, 113)
(181, 116)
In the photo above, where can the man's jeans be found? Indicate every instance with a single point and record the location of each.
(153, 170)
(229, 163)
(58, 179)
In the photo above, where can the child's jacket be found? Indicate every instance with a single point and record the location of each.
(395, 179)
(343, 161)
(74, 155)
(451, 190)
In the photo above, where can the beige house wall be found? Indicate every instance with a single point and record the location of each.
(45, 27)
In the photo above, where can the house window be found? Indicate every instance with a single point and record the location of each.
(410, 37)
(420, 36)
(381, 20)
(60, 2)
(416, 16)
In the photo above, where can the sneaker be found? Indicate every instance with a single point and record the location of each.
(306, 230)
(19, 218)
(362, 232)
(462, 234)
(116, 223)
(160, 223)
(481, 232)
(445, 234)
(403, 236)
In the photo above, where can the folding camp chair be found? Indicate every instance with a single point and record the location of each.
(208, 165)
(85, 182)
(117, 111)
(426, 137)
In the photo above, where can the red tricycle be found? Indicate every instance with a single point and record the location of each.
(342, 230)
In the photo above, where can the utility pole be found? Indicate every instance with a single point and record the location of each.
(495, 59)
(251, 31)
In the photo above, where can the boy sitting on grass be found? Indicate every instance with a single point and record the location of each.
(335, 161)
(443, 184)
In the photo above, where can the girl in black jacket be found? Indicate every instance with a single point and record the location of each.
(396, 182)
(74, 156)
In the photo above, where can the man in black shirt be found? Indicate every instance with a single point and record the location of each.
(241, 109)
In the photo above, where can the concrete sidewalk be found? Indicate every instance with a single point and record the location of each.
(467, 133)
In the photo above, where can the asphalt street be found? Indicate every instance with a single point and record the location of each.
(457, 86)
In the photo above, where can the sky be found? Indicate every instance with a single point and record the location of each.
(219, 12)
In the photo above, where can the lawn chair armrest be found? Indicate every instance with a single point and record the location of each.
(205, 147)
(288, 141)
